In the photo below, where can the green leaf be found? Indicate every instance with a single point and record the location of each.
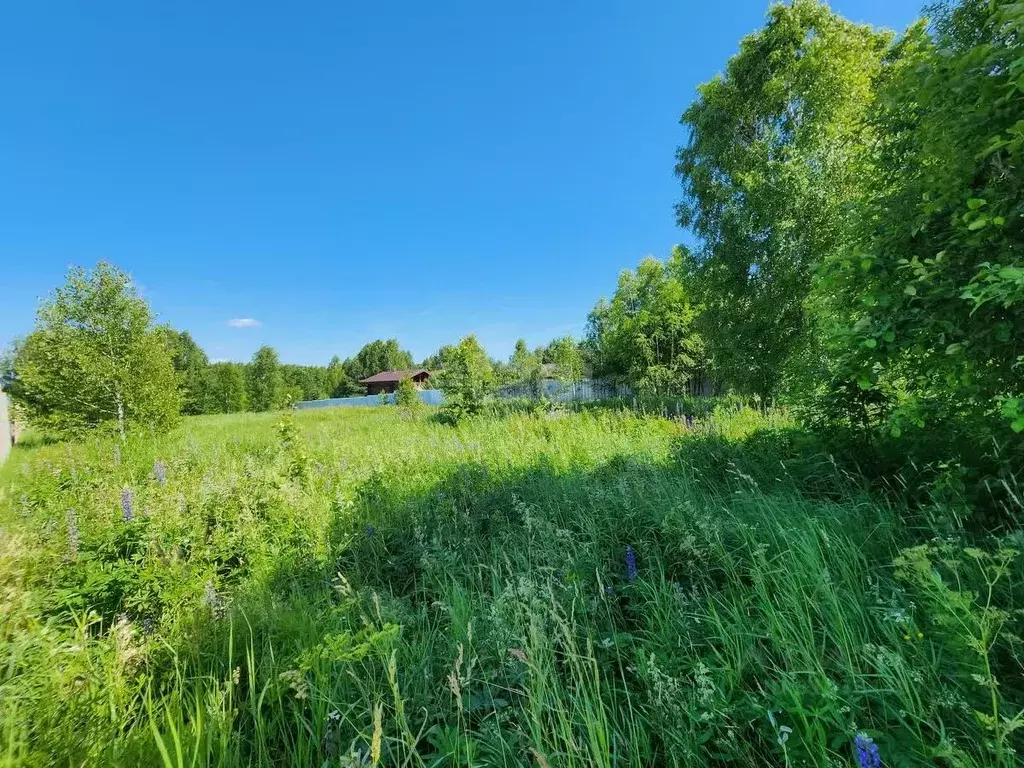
(889, 336)
(910, 290)
(952, 349)
(975, 203)
(979, 223)
(864, 382)
(1018, 425)
(870, 343)
(865, 264)
(895, 431)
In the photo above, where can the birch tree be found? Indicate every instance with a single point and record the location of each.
(94, 358)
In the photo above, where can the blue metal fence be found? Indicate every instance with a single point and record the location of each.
(559, 391)
(428, 396)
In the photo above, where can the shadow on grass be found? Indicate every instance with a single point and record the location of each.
(467, 561)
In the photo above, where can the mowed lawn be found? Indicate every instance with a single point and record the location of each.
(367, 586)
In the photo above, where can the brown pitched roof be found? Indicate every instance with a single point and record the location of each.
(389, 376)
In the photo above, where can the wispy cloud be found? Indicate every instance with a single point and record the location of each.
(243, 322)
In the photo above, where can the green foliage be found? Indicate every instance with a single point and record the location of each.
(408, 395)
(768, 174)
(467, 380)
(379, 355)
(339, 383)
(645, 335)
(523, 363)
(926, 304)
(94, 358)
(436, 361)
(264, 383)
(566, 355)
(310, 382)
(225, 388)
(190, 363)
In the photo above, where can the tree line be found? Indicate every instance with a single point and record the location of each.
(97, 357)
(857, 199)
(858, 202)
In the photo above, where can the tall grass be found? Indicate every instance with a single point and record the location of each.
(361, 587)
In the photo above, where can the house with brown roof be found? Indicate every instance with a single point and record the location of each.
(388, 381)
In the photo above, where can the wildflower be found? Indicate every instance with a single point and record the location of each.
(214, 600)
(371, 531)
(867, 752)
(72, 534)
(609, 590)
(631, 570)
(148, 626)
(160, 472)
(127, 504)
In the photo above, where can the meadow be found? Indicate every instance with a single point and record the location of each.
(598, 588)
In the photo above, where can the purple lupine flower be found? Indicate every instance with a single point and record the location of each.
(72, 534)
(127, 504)
(214, 600)
(160, 472)
(867, 752)
(631, 569)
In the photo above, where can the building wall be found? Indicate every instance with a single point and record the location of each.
(379, 387)
(6, 428)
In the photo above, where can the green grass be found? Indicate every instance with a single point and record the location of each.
(351, 587)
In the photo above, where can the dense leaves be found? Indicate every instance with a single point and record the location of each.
(265, 383)
(467, 380)
(766, 175)
(645, 335)
(927, 300)
(94, 358)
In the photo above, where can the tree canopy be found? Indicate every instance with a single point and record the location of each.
(645, 334)
(94, 358)
(767, 177)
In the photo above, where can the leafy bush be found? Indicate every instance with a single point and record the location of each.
(407, 396)
(467, 381)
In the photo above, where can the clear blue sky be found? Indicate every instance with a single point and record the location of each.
(342, 171)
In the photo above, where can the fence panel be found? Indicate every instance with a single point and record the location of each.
(428, 396)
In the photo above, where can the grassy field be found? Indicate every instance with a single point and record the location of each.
(364, 586)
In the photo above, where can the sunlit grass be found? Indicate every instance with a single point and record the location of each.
(346, 587)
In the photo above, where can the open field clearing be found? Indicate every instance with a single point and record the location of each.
(364, 586)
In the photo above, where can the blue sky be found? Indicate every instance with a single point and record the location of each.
(342, 171)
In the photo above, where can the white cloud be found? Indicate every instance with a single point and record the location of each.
(243, 322)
